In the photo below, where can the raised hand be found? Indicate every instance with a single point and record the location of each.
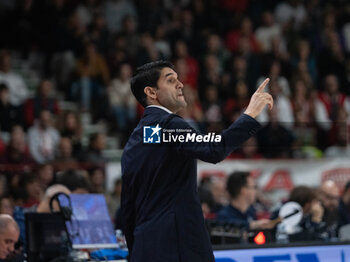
(259, 100)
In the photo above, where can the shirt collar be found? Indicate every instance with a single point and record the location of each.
(161, 107)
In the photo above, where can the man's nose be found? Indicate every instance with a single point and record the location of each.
(11, 248)
(180, 85)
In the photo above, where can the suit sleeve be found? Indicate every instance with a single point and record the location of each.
(213, 151)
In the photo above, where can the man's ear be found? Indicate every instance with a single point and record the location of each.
(150, 92)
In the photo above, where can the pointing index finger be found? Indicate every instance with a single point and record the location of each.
(262, 86)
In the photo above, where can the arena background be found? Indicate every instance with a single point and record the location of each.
(65, 67)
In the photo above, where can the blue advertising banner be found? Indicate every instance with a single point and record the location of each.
(334, 253)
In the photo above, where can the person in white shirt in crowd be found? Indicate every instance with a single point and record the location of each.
(17, 87)
(43, 138)
(283, 107)
(291, 14)
(122, 101)
(329, 102)
(267, 31)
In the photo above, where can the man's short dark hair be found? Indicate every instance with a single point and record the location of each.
(73, 180)
(302, 195)
(146, 75)
(236, 181)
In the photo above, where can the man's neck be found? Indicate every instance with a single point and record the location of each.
(240, 204)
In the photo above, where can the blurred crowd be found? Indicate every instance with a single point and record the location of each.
(84, 52)
(236, 210)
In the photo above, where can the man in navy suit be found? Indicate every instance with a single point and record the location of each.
(161, 213)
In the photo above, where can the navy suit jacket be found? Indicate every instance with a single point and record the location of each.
(161, 212)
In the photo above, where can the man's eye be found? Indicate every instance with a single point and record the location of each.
(171, 80)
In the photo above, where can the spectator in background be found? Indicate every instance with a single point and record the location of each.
(342, 147)
(44, 100)
(283, 107)
(302, 102)
(248, 150)
(43, 138)
(73, 39)
(245, 30)
(238, 101)
(329, 196)
(131, 36)
(275, 75)
(302, 72)
(210, 75)
(118, 54)
(183, 27)
(46, 175)
(218, 190)
(311, 223)
(304, 131)
(86, 10)
(62, 64)
(75, 181)
(327, 106)
(306, 56)
(97, 180)
(31, 191)
(291, 15)
(267, 31)
(253, 62)
(193, 113)
(3, 185)
(17, 150)
(98, 33)
(147, 50)
(161, 43)
(331, 59)
(331, 99)
(115, 11)
(93, 76)
(207, 203)
(64, 159)
(71, 127)
(14, 188)
(212, 109)
(10, 115)
(121, 100)
(215, 47)
(237, 71)
(242, 189)
(18, 90)
(6, 205)
(9, 234)
(344, 207)
(190, 76)
(94, 156)
(279, 52)
(274, 139)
